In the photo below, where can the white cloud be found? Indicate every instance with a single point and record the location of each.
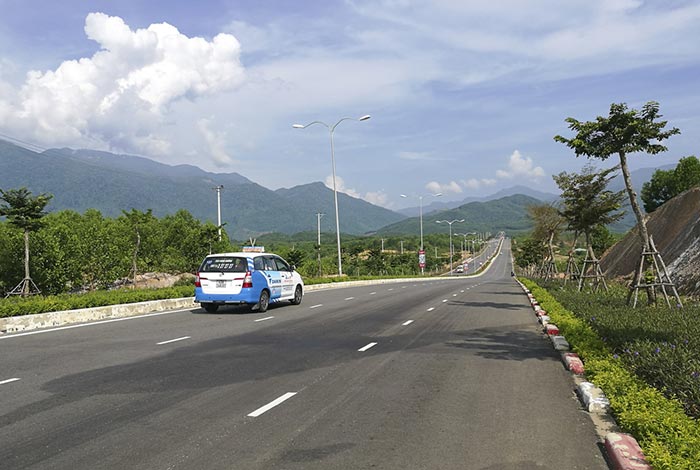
(474, 183)
(216, 142)
(520, 167)
(122, 94)
(451, 187)
(378, 198)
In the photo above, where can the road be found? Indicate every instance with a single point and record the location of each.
(443, 374)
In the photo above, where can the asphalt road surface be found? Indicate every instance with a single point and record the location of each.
(442, 374)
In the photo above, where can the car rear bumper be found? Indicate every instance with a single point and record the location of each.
(246, 296)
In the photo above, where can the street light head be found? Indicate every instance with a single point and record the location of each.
(365, 117)
(437, 195)
(403, 195)
(297, 126)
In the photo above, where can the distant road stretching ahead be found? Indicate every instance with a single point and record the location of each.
(421, 375)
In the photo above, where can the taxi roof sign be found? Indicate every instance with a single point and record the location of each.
(253, 249)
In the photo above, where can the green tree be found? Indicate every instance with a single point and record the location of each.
(622, 132)
(24, 212)
(665, 185)
(588, 205)
(548, 222)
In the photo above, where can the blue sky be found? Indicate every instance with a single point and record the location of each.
(465, 96)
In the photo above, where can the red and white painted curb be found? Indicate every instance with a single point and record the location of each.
(623, 450)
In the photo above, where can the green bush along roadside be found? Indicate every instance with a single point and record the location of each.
(669, 437)
(15, 306)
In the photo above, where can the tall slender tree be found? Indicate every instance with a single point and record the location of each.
(24, 212)
(625, 131)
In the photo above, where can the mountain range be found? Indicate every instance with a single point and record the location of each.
(84, 179)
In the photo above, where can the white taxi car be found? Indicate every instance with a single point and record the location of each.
(255, 279)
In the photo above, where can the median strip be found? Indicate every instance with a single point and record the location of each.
(272, 404)
(173, 340)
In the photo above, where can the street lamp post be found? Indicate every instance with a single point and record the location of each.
(218, 206)
(449, 222)
(420, 214)
(331, 129)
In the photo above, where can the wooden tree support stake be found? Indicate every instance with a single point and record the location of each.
(24, 288)
(652, 273)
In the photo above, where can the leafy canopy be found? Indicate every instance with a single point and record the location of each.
(587, 203)
(665, 185)
(22, 210)
(624, 131)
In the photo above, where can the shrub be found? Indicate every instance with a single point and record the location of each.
(670, 438)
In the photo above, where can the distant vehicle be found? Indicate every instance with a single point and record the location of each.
(459, 269)
(255, 279)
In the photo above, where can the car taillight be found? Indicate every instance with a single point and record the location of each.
(197, 282)
(248, 280)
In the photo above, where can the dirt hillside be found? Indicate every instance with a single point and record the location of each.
(675, 228)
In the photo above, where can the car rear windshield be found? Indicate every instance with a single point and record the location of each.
(224, 264)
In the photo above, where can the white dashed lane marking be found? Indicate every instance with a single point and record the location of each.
(431, 309)
(263, 319)
(350, 298)
(272, 404)
(316, 306)
(406, 323)
(3, 382)
(365, 348)
(173, 340)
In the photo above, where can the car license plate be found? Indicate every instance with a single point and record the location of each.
(220, 284)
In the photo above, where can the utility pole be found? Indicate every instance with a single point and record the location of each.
(401, 246)
(218, 206)
(318, 241)
(382, 245)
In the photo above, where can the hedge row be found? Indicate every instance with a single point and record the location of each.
(15, 306)
(670, 438)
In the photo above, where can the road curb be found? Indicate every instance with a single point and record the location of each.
(625, 453)
(623, 450)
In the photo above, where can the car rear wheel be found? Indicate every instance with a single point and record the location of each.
(264, 301)
(211, 308)
(298, 294)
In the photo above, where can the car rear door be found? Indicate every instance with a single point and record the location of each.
(286, 277)
(272, 274)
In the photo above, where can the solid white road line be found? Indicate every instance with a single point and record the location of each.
(3, 382)
(272, 404)
(431, 309)
(365, 348)
(136, 317)
(173, 340)
(263, 319)
(316, 306)
(406, 323)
